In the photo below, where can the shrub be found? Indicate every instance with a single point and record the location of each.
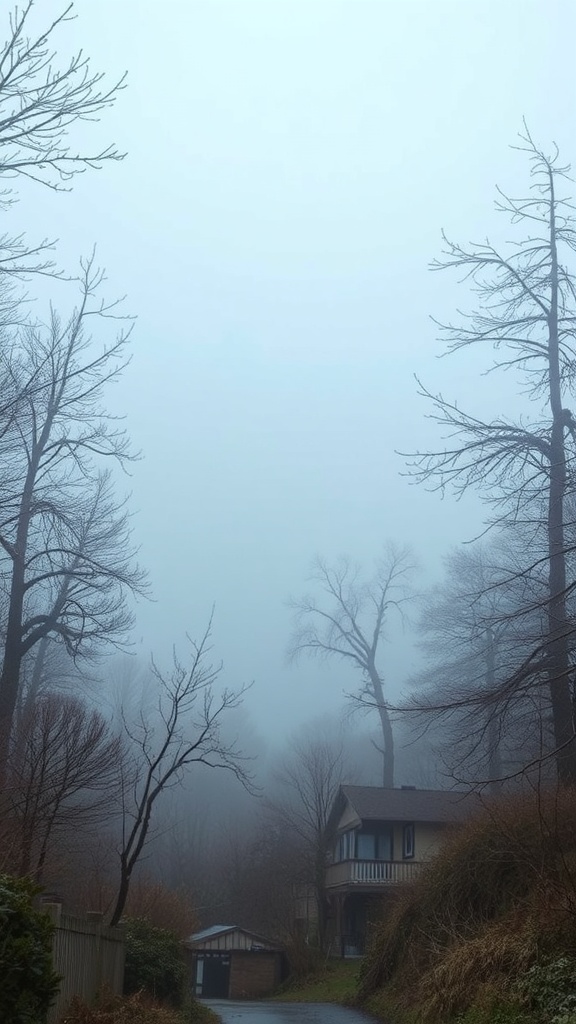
(154, 962)
(550, 988)
(28, 985)
(137, 1009)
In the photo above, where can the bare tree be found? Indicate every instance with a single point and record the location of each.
(184, 730)
(66, 562)
(64, 770)
(42, 98)
(309, 777)
(40, 101)
(528, 316)
(476, 627)
(349, 621)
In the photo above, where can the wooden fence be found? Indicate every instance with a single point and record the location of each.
(88, 954)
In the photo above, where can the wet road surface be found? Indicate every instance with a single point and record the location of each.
(286, 1013)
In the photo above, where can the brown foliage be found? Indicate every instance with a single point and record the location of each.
(135, 1009)
(501, 893)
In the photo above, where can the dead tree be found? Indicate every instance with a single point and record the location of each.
(527, 316)
(182, 730)
(66, 561)
(348, 621)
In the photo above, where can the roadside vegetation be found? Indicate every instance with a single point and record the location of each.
(138, 1009)
(488, 932)
(333, 981)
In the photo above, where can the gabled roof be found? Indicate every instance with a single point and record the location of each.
(375, 803)
(218, 931)
(211, 933)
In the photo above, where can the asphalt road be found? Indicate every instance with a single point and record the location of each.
(286, 1013)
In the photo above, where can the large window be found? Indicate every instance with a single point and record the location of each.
(360, 845)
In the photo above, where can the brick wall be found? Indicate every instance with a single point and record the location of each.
(253, 974)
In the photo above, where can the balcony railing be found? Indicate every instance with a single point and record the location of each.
(371, 872)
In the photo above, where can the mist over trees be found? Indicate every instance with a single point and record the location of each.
(141, 790)
(68, 568)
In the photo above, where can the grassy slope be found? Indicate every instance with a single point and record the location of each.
(337, 982)
(500, 899)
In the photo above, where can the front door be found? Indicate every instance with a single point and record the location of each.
(213, 976)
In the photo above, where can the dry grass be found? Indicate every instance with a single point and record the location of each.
(136, 1009)
(501, 895)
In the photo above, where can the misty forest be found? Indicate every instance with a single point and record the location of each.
(286, 459)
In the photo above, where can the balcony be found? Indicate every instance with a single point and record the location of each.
(372, 873)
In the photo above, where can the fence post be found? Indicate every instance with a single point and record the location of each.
(96, 920)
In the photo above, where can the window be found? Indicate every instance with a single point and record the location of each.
(365, 846)
(385, 845)
(408, 841)
(345, 847)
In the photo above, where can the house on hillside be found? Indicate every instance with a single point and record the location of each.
(381, 838)
(228, 962)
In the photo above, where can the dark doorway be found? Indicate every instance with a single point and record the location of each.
(215, 976)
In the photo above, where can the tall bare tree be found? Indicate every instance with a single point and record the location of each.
(527, 315)
(66, 562)
(184, 729)
(348, 621)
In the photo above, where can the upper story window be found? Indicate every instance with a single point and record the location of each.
(360, 845)
(408, 843)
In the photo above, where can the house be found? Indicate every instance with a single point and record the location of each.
(228, 962)
(381, 837)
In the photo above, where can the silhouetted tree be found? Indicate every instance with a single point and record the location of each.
(348, 621)
(527, 315)
(184, 729)
(64, 770)
(42, 98)
(66, 562)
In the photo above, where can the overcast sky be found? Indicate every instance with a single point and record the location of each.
(290, 166)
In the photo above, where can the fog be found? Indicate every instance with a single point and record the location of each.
(290, 165)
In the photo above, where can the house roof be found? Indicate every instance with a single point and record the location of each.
(217, 931)
(375, 803)
(211, 933)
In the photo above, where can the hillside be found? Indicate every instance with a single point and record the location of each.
(488, 932)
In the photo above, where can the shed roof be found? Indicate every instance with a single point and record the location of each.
(217, 931)
(375, 803)
(212, 932)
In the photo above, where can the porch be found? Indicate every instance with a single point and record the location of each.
(370, 873)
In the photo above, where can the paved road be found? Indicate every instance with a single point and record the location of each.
(286, 1013)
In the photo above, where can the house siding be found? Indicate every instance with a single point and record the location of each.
(349, 819)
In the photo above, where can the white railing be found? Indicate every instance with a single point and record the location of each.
(371, 872)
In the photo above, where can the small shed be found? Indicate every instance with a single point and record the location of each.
(228, 962)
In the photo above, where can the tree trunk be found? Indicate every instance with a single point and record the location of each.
(493, 731)
(558, 654)
(386, 728)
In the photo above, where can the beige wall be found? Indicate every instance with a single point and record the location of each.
(427, 840)
(349, 819)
